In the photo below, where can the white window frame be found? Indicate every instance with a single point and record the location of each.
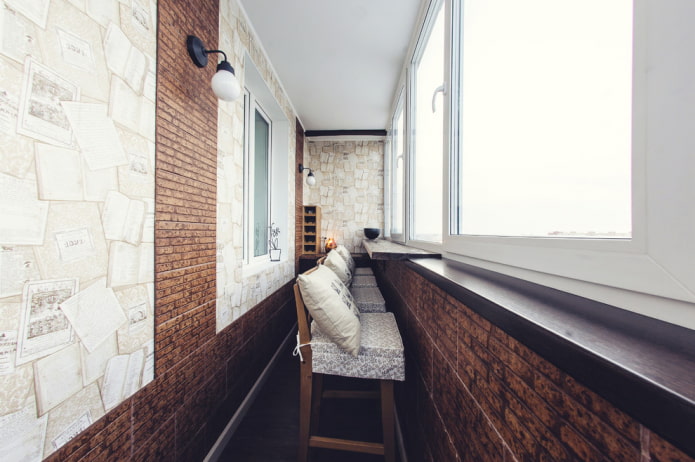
(251, 106)
(599, 261)
(400, 111)
(422, 37)
(258, 96)
(651, 273)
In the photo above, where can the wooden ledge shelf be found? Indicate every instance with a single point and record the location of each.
(381, 249)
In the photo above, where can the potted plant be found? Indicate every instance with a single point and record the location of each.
(273, 242)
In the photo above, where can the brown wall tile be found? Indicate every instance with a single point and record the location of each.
(162, 446)
(298, 194)
(661, 450)
(493, 398)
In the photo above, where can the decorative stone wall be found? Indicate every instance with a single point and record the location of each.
(349, 188)
(237, 292)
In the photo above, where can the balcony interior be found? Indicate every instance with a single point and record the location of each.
(152, 233)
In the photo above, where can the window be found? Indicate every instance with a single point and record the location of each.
(398, 171)
(543, 176)
(257, 149)
(259, 165)
(546, 110)
(559, 106)
(266, 143)
(428, 129)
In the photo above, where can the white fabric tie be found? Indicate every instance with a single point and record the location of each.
(298, 349)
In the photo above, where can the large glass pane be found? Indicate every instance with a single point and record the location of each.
(261, 171)
(428, 136)
(546, 118)
(398, 173)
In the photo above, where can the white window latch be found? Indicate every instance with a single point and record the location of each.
(440, 89)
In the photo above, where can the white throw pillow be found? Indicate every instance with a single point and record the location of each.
(331, 305)
(335, 262)
(345, 253)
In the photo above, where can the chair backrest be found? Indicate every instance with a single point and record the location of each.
(303, 316)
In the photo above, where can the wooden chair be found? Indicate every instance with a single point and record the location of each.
(380, 357)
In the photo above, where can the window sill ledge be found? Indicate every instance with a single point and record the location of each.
(252, 269)
(643, 366)
(382, 249)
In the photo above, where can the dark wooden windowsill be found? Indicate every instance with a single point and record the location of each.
(384, 249)
(643, 366)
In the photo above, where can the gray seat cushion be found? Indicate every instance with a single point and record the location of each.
(380, 355)
(369, 299)
(363, 281)
(363, 271)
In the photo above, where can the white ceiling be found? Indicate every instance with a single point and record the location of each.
(339, 60)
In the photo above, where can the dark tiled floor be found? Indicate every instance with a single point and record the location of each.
(270, 429)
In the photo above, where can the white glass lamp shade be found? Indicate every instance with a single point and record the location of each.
(311, 179)
(224, 83)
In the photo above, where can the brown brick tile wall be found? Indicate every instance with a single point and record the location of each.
(200, 377)
(473, 393)
(163, 444)
(299, 194)
(180, 414)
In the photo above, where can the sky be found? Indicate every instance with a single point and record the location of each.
(546, 123)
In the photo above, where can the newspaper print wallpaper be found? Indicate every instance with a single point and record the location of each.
(77, 91)
(240, 287)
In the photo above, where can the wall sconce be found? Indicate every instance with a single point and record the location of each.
(310, 179)
(224, 83)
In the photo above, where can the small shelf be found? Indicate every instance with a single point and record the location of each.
(311, 227)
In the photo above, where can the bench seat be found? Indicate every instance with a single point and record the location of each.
(380, 356)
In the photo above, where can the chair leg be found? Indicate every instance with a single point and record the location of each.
(317, 394)
(305, 395)
(388, 420)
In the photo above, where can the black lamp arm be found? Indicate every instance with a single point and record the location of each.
(207, 52)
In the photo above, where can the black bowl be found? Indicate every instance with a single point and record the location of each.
(372, 233)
